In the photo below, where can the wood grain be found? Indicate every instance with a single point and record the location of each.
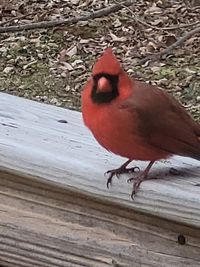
(55, 209)
(42, 225)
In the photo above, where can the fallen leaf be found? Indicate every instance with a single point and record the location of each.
(8, 70)
(117, 23)
(117, 39)
(153, 10)
(61, 56)
(77, 62)
(170, 39)
(29, 64)
(155, 68)
(84, 41)
(151, 47)
(66, 66)
(157, 22)
(71, 51)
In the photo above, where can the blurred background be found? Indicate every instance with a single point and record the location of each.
(51, 65)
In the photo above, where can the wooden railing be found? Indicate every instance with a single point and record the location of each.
(55, 209)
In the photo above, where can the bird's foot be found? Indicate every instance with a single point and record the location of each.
(139, 179)
(136, 183)
(118, 172)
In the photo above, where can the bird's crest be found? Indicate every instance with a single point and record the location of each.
(107, 63)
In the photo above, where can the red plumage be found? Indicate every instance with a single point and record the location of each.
(134, 119)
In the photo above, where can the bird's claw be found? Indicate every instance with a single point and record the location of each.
(109, 180)
(137, 182)
(136, 186)
(112, 173)
(118, 172)
(129, 180)
(132, 178)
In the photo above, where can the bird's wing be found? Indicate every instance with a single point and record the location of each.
(163, 122)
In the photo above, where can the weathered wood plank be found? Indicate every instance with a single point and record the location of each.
(34, 143)
(55, 209)
(45, 226)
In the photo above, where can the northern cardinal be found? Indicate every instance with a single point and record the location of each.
(135, 120)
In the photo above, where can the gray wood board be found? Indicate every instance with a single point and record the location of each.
(35, 144)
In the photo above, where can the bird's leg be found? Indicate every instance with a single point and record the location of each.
(138, 180)
(120, 170)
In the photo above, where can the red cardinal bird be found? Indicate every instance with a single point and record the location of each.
(135, 120)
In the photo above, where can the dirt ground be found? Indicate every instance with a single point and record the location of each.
(52, 65)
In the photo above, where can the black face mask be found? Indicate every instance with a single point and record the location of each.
(105, 97)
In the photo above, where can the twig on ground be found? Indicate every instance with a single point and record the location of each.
(17, 18)
(50, 24)
(135, 17)
(178, 26)
(169, 49)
